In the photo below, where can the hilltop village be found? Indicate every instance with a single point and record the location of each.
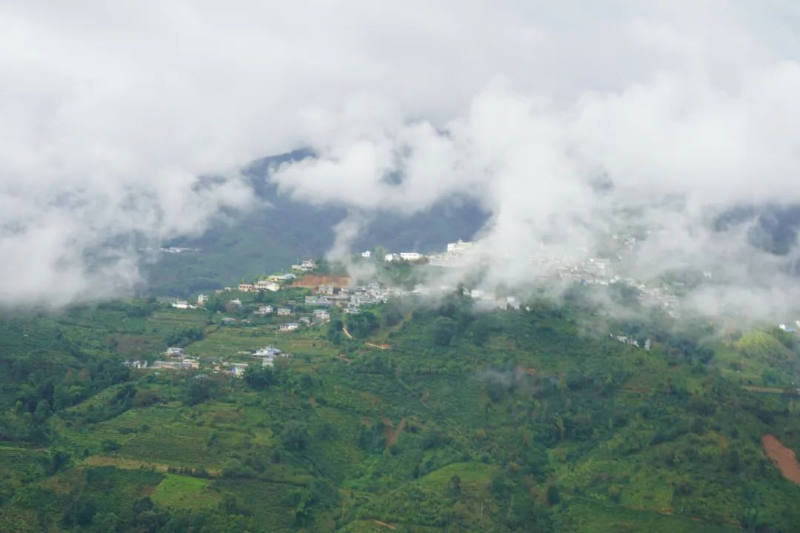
(305, 299)
(291, 305)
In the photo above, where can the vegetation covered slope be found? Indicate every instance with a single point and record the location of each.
(429, 419)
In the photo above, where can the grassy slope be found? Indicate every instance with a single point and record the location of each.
(633, 441)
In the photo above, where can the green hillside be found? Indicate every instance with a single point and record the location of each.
(431, 419)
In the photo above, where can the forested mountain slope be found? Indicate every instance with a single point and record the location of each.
(403, 418)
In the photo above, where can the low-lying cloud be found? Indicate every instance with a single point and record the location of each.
(110, 113)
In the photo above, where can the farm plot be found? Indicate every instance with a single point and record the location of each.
(185, 492)
(179, 444)
(230, 342)
(167, 321)
(270, 503)
(18, 465)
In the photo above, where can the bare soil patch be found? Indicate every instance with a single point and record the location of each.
(782, 457)
(392, 434)
(378, 346)
(312, 281)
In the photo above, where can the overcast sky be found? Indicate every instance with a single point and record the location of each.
(110, 110)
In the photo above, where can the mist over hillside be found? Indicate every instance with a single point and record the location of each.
(281, 231)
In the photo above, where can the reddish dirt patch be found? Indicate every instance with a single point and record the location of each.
(393, 434)
(782, 457)
(378, 346)
(312, 401)
(312, 281)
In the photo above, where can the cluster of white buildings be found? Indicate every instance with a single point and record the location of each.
(576, 269)
(177, 360)
(272, 283)
(275, 282)
(352, 298)
(411, 257)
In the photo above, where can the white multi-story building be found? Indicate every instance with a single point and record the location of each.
(411, 256)
(460, 246)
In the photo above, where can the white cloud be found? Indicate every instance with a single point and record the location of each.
(109, 111)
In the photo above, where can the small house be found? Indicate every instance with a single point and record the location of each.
(411, 256)
(326, 289)
(321, 315)
(282, 278)
(284, 311)
(266, 285)
(174, 352)
(289, 326)
(238, 369)
(269, 351)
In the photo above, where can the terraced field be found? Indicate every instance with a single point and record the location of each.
(167, 321)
